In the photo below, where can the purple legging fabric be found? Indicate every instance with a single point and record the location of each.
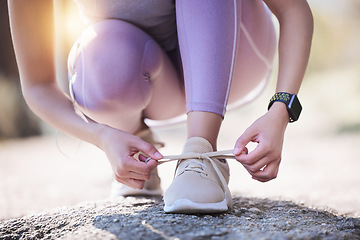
(120, 75)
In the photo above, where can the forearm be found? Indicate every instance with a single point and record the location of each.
(296, 29)
(32, 30)
(54, 107)
(294, 49)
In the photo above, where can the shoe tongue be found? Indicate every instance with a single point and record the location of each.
(197, 145)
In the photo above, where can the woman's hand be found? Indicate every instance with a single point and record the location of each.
(295, 19)
(120, 148)
(268, 131)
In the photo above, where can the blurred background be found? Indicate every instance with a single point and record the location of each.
(41, 169)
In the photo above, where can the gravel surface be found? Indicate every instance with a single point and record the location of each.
(319, 169)
(142, 218)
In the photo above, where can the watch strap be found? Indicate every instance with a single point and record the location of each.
(280, 97)
(292, 103)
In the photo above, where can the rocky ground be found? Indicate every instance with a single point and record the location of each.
(46, 194)
(130, 218)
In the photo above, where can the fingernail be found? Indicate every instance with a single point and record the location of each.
(158, 155)
(236, 151)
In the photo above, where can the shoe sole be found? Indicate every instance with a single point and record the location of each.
(188, 206)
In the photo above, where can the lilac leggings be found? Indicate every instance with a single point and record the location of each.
(120, 75)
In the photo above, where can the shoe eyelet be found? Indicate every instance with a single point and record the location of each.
(222, 160)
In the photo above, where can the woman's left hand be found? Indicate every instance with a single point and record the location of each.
(268, 131)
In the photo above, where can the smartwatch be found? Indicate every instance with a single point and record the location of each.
(292, 103)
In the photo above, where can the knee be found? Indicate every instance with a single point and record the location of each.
(109, 67)
(102, 91)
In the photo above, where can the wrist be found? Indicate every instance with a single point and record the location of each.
(279, 110)
(291, 102)
(101, 133)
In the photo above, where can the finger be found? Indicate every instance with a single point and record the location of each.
(130, 164)
(138, 176)
(143, 158)
(152, 164)
(142, 167)
(246, 150)
(242, 141)
(149, 150)
(131, 174)
(258, 165)
(133, 183)
(254, 156)
(268, 173)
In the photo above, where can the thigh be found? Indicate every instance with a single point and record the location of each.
(120, 75)
(227, 49)
(255, 51)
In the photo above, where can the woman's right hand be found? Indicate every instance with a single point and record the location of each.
(120, 148)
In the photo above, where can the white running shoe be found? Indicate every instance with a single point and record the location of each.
(152, 186)
(197, 187)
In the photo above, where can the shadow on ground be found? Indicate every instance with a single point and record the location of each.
(143, 218)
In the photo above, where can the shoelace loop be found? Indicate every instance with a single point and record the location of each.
(227, 154)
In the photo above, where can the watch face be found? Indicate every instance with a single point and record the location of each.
(294, 108)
